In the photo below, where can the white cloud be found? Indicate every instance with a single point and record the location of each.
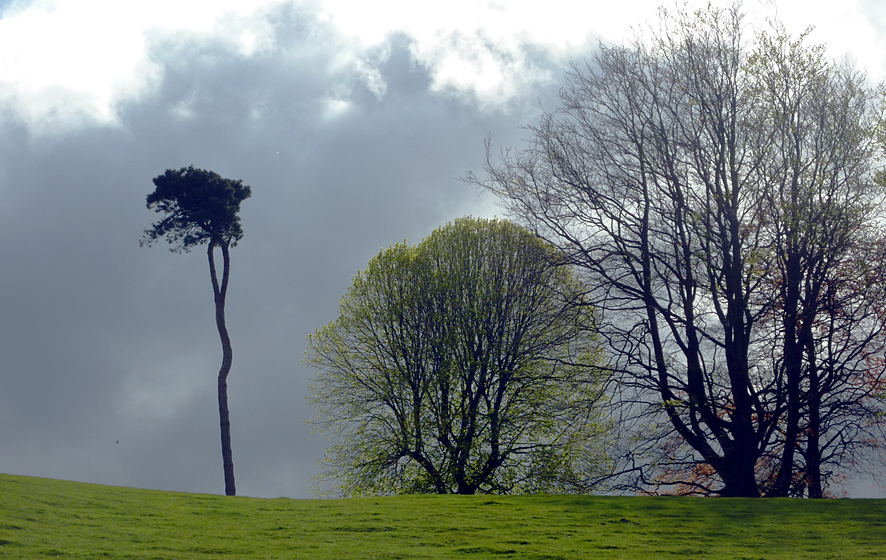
(854, 29)
(367, 70)
(67, 63)
(470, 47)
(70, 63)
(469, 64)
(335, 108)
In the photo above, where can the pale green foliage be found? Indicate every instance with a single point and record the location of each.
(462, 364)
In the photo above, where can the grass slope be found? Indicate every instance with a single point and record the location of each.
(42, 518)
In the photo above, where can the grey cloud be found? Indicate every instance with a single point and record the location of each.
(102, 341)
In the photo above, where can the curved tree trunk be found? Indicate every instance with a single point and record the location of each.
(227, 358)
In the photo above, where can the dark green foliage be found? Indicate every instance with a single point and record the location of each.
(200, 206)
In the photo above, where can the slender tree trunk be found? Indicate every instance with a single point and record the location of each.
(227, 358)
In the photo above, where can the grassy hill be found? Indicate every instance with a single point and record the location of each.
(42, 518)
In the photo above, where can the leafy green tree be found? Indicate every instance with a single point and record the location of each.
(461, 365)
(201, 207)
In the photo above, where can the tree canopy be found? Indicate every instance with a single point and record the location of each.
(463, 364)
(200, 206)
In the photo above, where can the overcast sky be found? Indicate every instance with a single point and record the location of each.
(350, 120)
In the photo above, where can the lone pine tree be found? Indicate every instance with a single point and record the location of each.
(200, 207)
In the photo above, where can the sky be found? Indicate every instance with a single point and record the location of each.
(352, 122)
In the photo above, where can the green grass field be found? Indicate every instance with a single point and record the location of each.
(42, 518)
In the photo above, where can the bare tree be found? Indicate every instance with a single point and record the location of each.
(820, 210)
(681, 173)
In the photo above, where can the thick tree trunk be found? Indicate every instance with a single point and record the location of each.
(737, 470)
(227, 358)
(793, 365)
(813, 445)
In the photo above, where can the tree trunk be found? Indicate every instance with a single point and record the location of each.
(736, 469)
(813, 445)
(227, 358)
(793, 365)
